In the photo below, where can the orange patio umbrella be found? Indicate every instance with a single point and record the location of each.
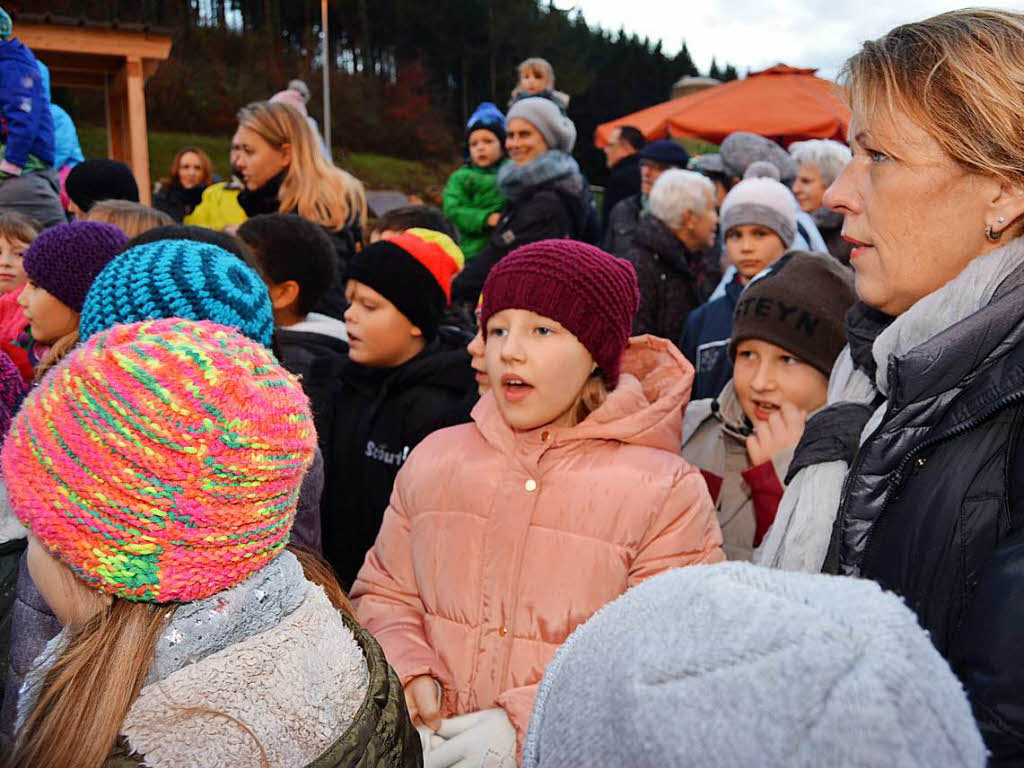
(782, 103)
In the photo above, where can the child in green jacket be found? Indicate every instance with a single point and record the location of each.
(471, 198)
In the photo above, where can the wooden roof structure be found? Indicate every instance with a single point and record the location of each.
(116, 58)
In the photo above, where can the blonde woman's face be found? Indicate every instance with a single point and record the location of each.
(257, 160)
(523, 141)
(916, 219)
(190, 170)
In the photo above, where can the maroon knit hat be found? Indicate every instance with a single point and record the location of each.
(65, 259)
(590, 292)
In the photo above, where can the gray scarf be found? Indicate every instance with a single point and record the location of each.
(799, 538)
(516, 180)
(198, 629)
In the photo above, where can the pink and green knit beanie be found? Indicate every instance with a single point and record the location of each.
(162, 460)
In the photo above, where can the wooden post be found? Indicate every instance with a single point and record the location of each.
(117, 126)
(138, 142)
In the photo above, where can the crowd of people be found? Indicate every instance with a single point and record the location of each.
(720, 469)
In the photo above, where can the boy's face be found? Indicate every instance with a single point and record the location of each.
(752, 248)
(484, 148)
(379, 336)
(765, 376)
(533, 81)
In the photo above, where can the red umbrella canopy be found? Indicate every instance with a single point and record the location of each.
(782, 103)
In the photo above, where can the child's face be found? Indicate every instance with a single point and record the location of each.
(765, 376)
(12, 273)
(478, 362)
(379, 336)
(536, 367)
(71, 600)
(533, 81)
(49, 318)
(752, 248)
(484, 148)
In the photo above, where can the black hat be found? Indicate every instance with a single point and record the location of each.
(666, 152)
(100, 179)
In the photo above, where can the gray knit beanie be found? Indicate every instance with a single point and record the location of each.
(559, 131)
(737, 665)
(761, 201)
(740, 149)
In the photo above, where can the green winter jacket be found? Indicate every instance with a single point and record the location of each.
(382, 734)
(470, 196)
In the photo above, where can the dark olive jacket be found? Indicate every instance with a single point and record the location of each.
(382, 734)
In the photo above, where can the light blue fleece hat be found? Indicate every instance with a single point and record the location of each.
(6, 26)
(737, 665)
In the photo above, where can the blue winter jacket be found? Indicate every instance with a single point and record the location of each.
(705, 341)
(66, 149)
(24, 105)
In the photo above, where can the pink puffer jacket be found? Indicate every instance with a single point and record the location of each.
(497, 544)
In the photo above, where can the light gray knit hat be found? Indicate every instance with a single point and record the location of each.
(559, 131)
(737, 665)
(761, 201)
(740, 149)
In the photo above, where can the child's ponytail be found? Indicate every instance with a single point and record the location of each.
(88, 691)
(592, 396)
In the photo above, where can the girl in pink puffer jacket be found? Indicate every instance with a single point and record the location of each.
(505, 534)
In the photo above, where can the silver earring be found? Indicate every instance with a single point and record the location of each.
(994, 236)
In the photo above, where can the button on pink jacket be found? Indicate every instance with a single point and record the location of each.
(497, 544)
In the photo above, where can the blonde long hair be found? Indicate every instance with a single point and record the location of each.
(88, 691)
(316, 190)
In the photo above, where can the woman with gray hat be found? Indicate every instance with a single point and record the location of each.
(911, 476)
(546, 193)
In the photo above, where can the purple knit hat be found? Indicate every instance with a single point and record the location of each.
(590, 292)
(64, 260)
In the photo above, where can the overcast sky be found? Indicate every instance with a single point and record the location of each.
(753, 34)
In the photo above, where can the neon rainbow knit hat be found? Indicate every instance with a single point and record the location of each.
(179, 278)
(162, 460)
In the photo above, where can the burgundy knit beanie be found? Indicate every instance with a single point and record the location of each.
(65, 259)
(591, 293)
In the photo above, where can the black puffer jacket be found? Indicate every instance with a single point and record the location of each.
(673, 281)
(623, 182)
(933, 507)
(622, 223)
(554, 209)
(178, 202)
(380, 416)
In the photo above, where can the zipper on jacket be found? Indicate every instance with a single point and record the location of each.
(950, 434)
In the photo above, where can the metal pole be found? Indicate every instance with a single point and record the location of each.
(327, 74)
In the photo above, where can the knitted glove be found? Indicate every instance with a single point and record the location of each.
(484, 739)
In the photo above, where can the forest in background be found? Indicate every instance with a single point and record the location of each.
(405, 74)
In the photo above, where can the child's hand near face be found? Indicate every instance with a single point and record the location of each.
(781, 432)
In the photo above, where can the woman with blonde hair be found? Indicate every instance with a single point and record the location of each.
(911, 476)
(181, 191)
(284, 171)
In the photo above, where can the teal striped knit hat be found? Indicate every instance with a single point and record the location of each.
(179, 278)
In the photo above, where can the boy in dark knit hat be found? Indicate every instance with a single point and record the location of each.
(471, 197)
(404, 378)
(788, 330)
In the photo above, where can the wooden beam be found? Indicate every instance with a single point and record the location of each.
(117, 123)
(80, 62)
(103, 42)
(138, 141)
(70, 79)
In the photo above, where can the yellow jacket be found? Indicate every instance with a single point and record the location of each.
(218, 209)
